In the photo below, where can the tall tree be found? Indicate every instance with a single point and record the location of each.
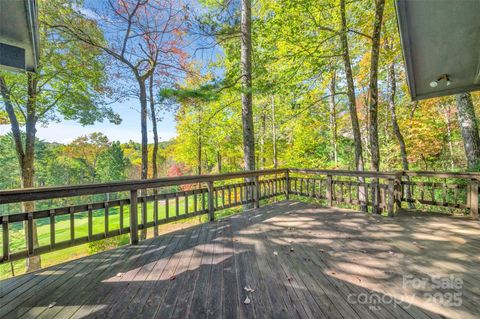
(246, 73)
(373, 84)
(352, 104)
(469, 129)
(141, 35)
(69, 82)
(87, 151)
(153, 115)
(373, 98)
(333, 117)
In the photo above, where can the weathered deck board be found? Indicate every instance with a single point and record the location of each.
(325, 259)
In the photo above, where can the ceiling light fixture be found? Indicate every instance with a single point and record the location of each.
(445, 77)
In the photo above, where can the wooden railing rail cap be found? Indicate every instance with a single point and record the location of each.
(31, 194)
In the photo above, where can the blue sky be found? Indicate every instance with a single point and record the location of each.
(66, 131)
(129, 129)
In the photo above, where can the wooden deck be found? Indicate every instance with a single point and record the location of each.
(303, 261)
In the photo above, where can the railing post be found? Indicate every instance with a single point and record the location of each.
(391, 197)
(256, 192)
(211, 207)
(6, 238)
(287, 185)
(474, 199)
(329, 190)
(133, 217)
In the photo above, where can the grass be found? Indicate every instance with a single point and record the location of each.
(62, 232)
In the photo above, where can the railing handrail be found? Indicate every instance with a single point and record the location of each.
(39, 193)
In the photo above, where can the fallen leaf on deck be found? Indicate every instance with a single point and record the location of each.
(248, 289)
(291, 249)
(334, 273)
(120, 274)
(360, 280)
(363, 251)
(173, 277)
(246, 301)
(52, 304)
(391, 252)
(289, 278)
(275, 253)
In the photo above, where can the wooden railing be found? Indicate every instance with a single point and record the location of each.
(145, 203)
(204, 197)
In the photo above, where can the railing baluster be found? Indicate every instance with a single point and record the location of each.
(444, 194)
(90, 223)
(223, 197)
(203, 200)
(133, 217)
(155, 215)
(235, 201)
(474, 199)
(6, 237)
(287, 185)
(144, 213)
(106, 219)
(229, 196)
(241, 194)
(121, 217)
(186, 203)
(177, 206)
(256, 191)
(329, 190)
(167, 208)
(52, 228)
(72, 224)
(211, 209)
(195, 201)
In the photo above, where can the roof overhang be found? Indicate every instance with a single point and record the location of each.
(441, 46)
(19, 49)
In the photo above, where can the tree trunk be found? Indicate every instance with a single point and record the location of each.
(199, 152)
(25, 155)
(333, 118)
(144, 174)
(262, 141)
(154, 129)
(448, 123)
(274, 134)
(373, 107)
(143, 119)
(352, 105)
(246, 69)
(469, 129)
(219, 162)
(392, 89)
(373, 86)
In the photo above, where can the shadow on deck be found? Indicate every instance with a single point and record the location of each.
(303, 261)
